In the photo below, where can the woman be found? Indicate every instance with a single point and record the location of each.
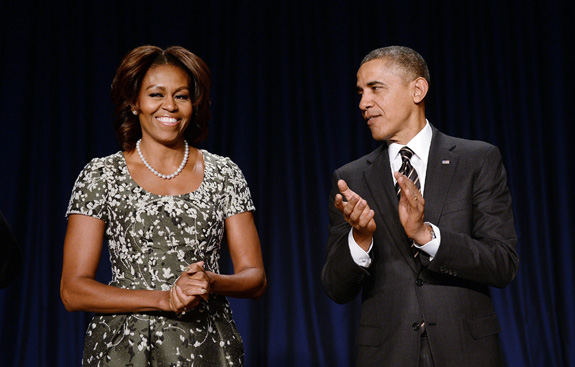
(162, 205)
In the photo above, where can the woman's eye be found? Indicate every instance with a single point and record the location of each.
(156, 95)
(183, 97)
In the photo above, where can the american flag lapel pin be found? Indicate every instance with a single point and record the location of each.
(445, 161)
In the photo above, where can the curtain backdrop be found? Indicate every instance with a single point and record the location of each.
(285, 109)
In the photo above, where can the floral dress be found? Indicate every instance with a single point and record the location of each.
(151, 239)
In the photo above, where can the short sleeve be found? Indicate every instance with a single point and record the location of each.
(236, 191)
(90, 191)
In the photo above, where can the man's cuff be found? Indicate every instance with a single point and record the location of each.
(360, 257)
(432, 246)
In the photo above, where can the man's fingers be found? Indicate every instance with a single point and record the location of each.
(339, 202)
(345, 190)
(402, 181)
(366, 218)
(342, 185)
(358, 210)
(408, 189)
(350, 206)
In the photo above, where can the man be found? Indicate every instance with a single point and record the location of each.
(423, 261)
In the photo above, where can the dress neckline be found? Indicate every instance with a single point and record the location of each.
(206, 173)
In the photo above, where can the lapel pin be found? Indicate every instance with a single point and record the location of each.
(445, 161)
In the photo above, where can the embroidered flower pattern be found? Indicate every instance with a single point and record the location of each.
(151, 239)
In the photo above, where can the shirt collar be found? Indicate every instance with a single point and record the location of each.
(420, 144)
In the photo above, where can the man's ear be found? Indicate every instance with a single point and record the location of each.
(420, 89)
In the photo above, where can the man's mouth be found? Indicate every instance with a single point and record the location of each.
(370, 117)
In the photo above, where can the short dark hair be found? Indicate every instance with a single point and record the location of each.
(411, 62)
(128, 81)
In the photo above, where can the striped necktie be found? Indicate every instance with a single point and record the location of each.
(407, 169)
(410, 172)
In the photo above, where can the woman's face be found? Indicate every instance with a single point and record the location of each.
(164, 104)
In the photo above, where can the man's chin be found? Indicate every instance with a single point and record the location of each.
(378, 136)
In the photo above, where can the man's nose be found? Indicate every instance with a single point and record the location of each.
(365, 102)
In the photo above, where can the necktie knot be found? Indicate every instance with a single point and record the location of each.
(406, 154)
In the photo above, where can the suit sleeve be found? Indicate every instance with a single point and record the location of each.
(487, 253)
(341, 277)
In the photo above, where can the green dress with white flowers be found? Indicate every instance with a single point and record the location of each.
(151, 239)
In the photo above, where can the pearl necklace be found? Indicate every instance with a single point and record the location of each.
(165, 177)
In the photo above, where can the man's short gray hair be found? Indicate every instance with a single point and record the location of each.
(411, 62)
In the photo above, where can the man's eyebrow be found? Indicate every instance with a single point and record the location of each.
(371, 84)
(375, 82)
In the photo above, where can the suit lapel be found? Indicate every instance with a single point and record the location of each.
(378, 179)
(440, 168)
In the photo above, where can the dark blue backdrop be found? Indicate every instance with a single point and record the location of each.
(285, 109)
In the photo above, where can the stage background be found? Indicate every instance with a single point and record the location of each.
(285, 109)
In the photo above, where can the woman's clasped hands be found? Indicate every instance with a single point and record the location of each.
(190, 288)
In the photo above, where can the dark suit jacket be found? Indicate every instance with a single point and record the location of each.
(467, 198)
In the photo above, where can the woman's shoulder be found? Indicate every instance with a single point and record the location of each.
(221, 168)
(92, 186)
(101, 167)
(115, 158)
(99, 163)
(215, 158)
(219, 162)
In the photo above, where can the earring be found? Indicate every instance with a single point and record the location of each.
(135, 112)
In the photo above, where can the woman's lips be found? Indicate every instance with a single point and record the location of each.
(167, 121)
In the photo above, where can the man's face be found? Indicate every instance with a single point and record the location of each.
(387, 102)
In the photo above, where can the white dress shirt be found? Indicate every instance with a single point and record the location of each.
(420, 144)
